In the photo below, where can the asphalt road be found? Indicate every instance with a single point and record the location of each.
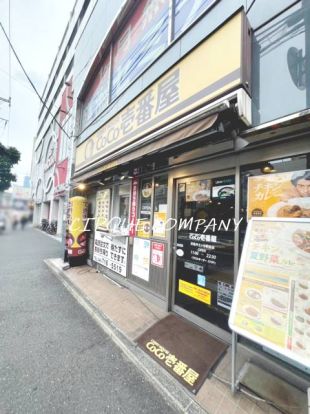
(53, 357)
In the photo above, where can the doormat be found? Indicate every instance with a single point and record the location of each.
(184, 350)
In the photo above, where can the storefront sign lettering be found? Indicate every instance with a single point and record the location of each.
(177, 366)
(134, 117)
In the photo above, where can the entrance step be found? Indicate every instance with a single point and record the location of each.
(285, 397)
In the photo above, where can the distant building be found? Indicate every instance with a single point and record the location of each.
(53, 145)
(27, 181)
(21, 197)
(5, 200)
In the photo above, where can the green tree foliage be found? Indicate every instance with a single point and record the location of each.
(9, 156)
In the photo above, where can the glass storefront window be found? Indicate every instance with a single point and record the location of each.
(119, 219)
(160, 206)
(124, 198)
(153, 207)
(161, 190)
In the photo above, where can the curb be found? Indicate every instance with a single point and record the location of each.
(56, 238)
(173, 392)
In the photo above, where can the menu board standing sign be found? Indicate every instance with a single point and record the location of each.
(271, 303)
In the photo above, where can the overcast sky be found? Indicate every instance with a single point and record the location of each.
(37, 27)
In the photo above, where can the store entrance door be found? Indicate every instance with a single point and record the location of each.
(204, 247)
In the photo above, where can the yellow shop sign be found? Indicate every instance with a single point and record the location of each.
(210, 70)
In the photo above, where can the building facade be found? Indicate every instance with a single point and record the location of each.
(191, 115)
(54, 143)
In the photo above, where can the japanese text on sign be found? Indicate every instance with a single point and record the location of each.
(151, 104)
(111, 254)
(133, 206)
(271, 304)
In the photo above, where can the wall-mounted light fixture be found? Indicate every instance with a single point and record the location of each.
(267, 168)
(81, 187)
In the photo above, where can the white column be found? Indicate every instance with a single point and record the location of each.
(60, 216)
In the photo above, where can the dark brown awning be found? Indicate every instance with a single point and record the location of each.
(182, 134)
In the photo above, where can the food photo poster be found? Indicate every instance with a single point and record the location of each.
(280, 195)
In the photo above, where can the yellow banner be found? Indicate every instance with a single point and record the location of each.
(213, 68)
(196, 292)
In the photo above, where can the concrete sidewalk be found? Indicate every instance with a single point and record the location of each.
(124, 315)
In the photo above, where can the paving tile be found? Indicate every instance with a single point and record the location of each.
(246, 404)
(224, 388)
(130, 313)
(210, 397)
(227, 406)
(260, 409)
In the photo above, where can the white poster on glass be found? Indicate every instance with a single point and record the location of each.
(141, 258)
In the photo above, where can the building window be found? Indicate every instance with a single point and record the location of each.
(143, 39)
(160, 206)
(279, 47)
(97, 97)
(187, 11)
